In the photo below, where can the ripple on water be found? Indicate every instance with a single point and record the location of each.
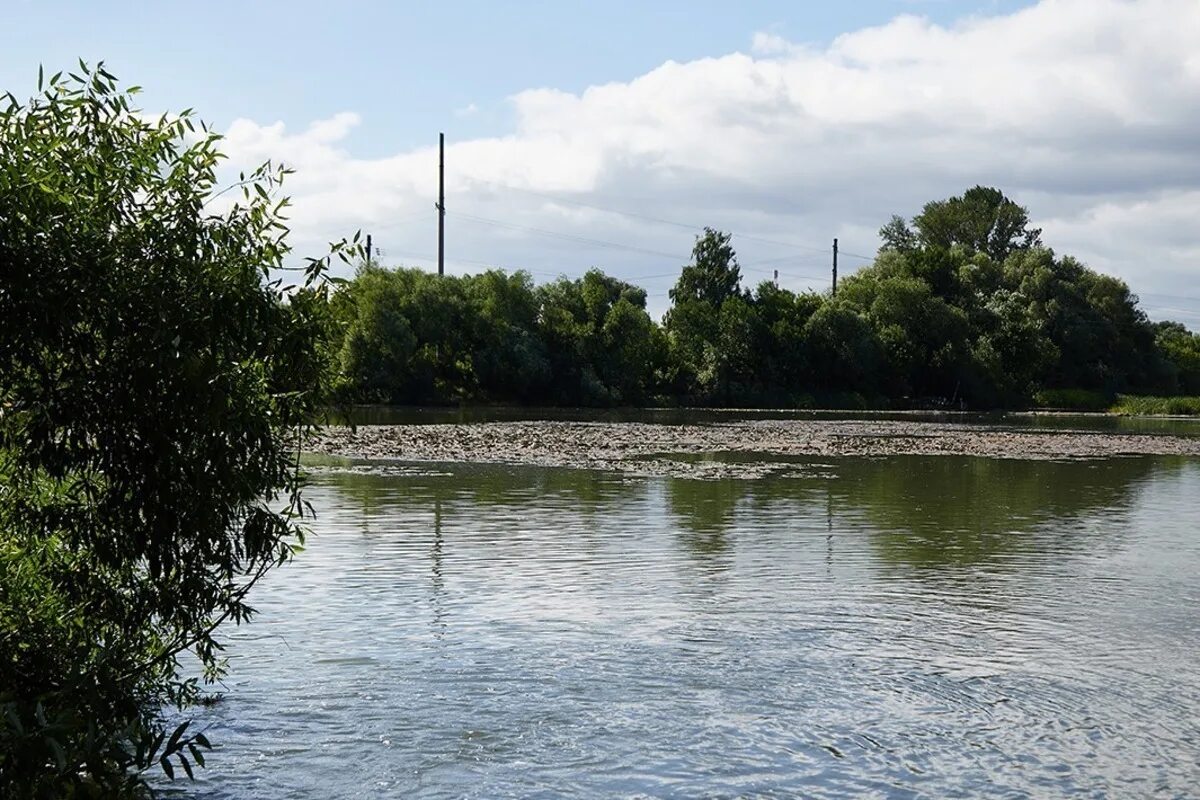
(899, 627)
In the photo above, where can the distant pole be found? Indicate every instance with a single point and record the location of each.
(835, 267)
(368, 249)
(441, 205)
(776, 279)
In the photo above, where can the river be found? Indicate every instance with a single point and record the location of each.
(909, 626)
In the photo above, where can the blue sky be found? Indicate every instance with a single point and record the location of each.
(575, 127)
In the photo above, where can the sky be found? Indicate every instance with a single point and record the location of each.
(608, 134)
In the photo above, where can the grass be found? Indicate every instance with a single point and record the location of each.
(1131, 405)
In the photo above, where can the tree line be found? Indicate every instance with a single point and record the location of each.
(962, 306)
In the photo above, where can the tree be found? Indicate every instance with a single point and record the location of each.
(923, 339)
(602, 345)
(508, 357)
(1181, 349)
(378, 344)
(982, 220)
(1103, 340)
(713, 276)
(843, 349)
(694, 321)
(781, 350)
(155, 383)
(897, 235)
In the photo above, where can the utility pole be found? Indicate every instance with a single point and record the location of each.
(368, 249)
(441, 204)
(835, 267)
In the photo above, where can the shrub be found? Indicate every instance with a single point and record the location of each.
(154, 381)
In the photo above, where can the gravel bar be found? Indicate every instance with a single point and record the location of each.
(653, 449)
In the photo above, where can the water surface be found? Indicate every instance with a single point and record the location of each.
(415, 415)
(900, 627)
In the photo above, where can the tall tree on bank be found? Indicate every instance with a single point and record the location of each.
(708, 340)
(155, 383)
(983, 220)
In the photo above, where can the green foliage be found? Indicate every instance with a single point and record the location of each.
(982, 220)
(1175, 406)
(412, 337)
(155, 385)
(1072, 400)
(898, 236)
(713, 276)
(1180, 349)
(962, 308)
(709, 341)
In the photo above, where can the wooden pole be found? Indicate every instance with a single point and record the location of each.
(441, 205)
(835, 267)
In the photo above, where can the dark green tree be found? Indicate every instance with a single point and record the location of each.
(1181, 350)
(783, 367)
(603, 347)
(509, 360)
(378, 347)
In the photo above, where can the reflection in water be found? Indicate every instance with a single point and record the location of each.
(897, 627)
(436, 582)
(944, 511)
(704, 513)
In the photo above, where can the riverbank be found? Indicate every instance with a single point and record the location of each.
(730, 449)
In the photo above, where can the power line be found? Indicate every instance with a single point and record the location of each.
(785, 274)
(792, 259)
(399, 221)
(1171, 296)
(566, 236)
(430, 258)
(616, 245)
(649, 218)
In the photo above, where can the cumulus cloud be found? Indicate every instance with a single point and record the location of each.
(765, 43)
(1084, 110)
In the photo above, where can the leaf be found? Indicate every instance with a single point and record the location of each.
(173, 742)
(60, 756)
(152, 751)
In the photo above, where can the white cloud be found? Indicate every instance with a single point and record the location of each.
(765, 43)
(1084, 110)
